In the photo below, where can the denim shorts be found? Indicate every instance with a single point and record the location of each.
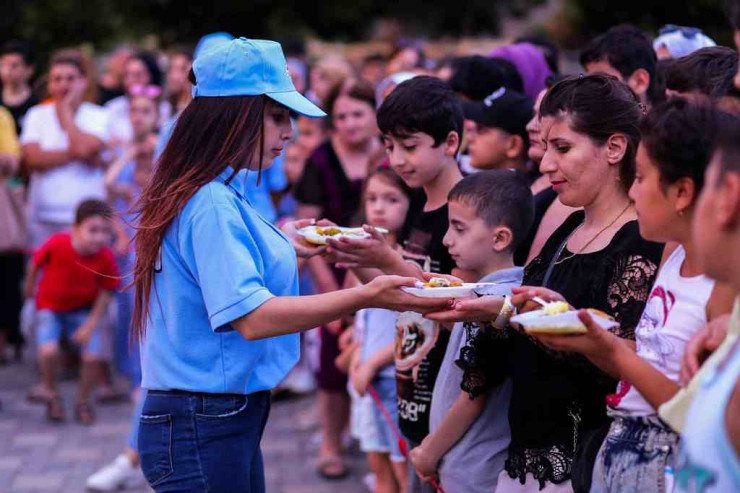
(51, 326)
(634, 456)
(205, 443)
(373, 430)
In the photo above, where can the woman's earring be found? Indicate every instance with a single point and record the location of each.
(680, 213)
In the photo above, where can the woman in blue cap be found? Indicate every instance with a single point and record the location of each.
(217, 309)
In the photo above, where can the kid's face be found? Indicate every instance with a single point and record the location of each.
(135, 74)
(177, 74)
(62, 78)
(488, 147)
(469, 240)
(295, 161)
(415, 157)
(144, 115)
(277, 132)
(716, 213)
(385, 205)
(14, 70)
(575, 166)
(93, 234)
(354, 121)
(655, 206)
(310, 133)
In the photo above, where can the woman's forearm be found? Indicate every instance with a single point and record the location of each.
(37, 159)
(288, 314)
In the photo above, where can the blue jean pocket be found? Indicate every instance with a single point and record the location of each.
(155, 447)
(223, 406)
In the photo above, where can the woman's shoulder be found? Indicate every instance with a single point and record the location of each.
(629, 241)
(323, 157)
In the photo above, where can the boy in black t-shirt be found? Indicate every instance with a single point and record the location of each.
(421, 122)
(16, 62)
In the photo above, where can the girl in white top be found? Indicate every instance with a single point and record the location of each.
(673, 155)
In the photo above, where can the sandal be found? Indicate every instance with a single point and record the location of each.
(84, 414)
(38, 395)
(55, 410)
(332, 468)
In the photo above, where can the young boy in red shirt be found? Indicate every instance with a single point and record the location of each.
(78, 276)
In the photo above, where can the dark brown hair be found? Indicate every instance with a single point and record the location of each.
(92, 208)
(358, 89)
(211, 134)
(599, 106)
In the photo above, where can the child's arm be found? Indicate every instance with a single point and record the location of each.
(616, 357)
(116, 168)
(367, 370)
(456, 423)
(85, 331)
(29, 286)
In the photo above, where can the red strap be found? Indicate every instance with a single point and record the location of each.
(401, 441)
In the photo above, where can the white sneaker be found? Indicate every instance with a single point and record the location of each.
(118, 474)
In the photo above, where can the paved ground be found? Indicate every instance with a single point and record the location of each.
(41, 457)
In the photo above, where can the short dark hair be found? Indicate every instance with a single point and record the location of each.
(679, 138)
(477, 76)
(710, 71)
(626, 48)
(22, 48)
(727, 146)
(499, 197)
(68, 56)
(599, 106)
(423, 104)
(92, 208)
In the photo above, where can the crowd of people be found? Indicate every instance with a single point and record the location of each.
(615, 190)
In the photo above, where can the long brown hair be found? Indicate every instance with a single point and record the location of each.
(211, 134)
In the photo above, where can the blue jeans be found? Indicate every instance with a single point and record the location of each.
(206, 443)
(634, 455)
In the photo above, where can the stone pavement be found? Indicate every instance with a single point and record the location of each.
(37, 456)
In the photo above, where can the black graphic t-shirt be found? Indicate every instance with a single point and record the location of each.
(420, 344)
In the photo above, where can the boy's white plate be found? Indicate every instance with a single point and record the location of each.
(312, 236)
(536, 322)
(467, 290)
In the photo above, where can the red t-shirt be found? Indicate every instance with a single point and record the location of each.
(71, 281)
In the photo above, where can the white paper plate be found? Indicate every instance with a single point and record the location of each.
(467, 290)
(311, 236)
(563, 323)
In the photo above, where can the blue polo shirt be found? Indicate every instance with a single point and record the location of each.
(220, 260)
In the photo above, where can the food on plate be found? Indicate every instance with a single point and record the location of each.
(599, 313)
(328, 230)
(442, 282)
(555, 307)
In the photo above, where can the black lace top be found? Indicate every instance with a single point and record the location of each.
(557, 396)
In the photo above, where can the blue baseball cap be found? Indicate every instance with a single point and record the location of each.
(249, 67)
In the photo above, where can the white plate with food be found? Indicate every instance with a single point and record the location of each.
(440, 287)
(318, 235)
(558, 318)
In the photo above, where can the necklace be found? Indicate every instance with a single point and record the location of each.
(560, 261)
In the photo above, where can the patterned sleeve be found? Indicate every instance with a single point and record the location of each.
(629, 290)
(482, 359)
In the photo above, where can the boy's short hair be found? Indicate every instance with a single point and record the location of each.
(626, 48)
(710, 71)
(423, 104)
(727, 146)
(22, 48)
(92, 208)
(500, 198)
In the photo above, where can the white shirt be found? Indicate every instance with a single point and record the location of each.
(675, 311)
(55, 194)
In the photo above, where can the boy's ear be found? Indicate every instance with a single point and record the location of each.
(616, 147)
(728, 210)
(452, 143)
(514, 146)
(502, 238)
(639, 82)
